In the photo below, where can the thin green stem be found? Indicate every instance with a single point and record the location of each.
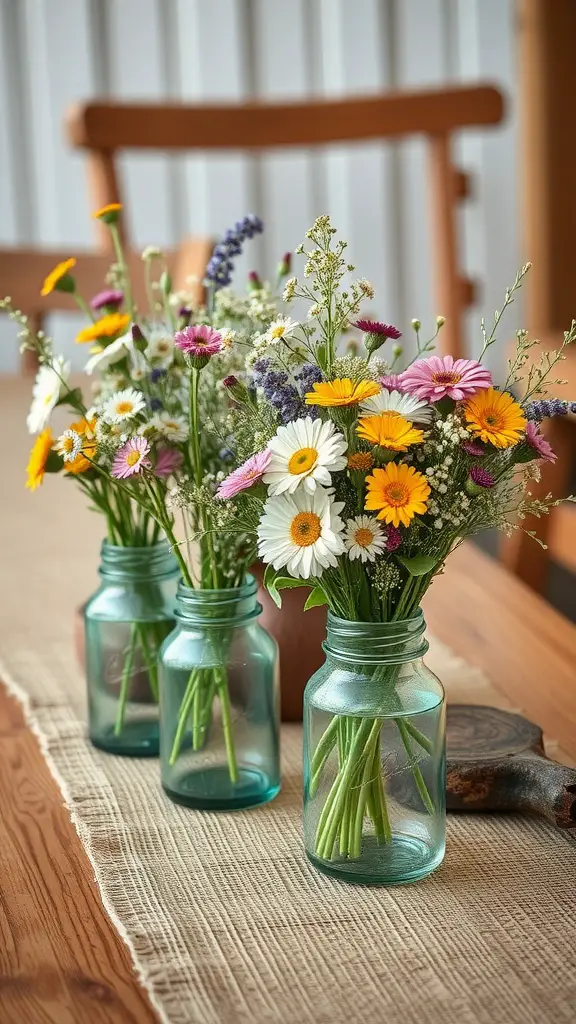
(83, 305)
(415, 768)
(126, 679)
(183, 715)
(224, 695)
(124, 268)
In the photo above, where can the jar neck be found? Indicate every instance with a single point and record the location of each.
(376, 643)
(233, 606)
(130, 565)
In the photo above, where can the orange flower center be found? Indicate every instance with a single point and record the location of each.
(360, 460)
(302, 461)
(133, 458)
(305, 529)
(124, 407)
(68, 444)
(363, 537)
(492, 420)
(446, 377)
(397, 494)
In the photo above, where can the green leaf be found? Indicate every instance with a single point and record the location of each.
(321, 356)
(73, 399)
(54, 463)
(316, 598)
(420, 565)
(288, 583)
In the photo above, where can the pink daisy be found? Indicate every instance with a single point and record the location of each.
(393, 382)
(199, 340)
(377, 327)
(537, 441)
(131, 458)
(110, 298)
(444, 377)
(168, 460)
(247, 474)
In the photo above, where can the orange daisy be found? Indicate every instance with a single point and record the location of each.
(398, 492)
(59, 279)
(342, 391)
(110, 326)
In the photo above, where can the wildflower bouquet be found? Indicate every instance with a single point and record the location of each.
(361, 480)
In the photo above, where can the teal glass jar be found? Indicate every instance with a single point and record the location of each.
(219, 702)
(374, 755)
(125, 622)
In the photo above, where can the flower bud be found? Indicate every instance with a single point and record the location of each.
(416, 325)
(285, 265)
(254, 282)
(108, 214)
(440, 321)
(165, 282)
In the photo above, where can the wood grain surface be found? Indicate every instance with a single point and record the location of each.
(61, 961)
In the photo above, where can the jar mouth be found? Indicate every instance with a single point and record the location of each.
(223, 606)
(374, 643)
(124, 563)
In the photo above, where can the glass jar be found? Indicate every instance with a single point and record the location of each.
(125, 622)
(374, 755)
(219, 702)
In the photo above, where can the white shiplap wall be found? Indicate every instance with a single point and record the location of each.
(53, 52)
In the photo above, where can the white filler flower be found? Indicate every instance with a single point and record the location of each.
(304, 453)
(364, 538)
(49, 387)
(302, 532)
(173, 428)
(413, 409)
(123, 405)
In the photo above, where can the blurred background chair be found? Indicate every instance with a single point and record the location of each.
(105, 129)
(547, 95)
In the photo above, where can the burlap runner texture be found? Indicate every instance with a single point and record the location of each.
(226, 921)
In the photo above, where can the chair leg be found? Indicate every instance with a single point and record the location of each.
(29, 360)
(520, 553)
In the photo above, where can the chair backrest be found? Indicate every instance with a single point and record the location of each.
(104, 128)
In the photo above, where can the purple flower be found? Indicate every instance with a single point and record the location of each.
(479, 480)
(546, 408)
(377, 327)
(538, 442)
(155, 404)
(168, 460)
(220, 267)
(473, 448)
(157, 374)
(393, 538)
(110, 298)
(307, 376)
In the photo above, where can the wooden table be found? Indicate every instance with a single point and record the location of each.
(61, 960)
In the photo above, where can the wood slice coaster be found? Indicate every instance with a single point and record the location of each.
(496, 762)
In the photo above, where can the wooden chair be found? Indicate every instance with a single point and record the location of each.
(547, 93)
(103, 129)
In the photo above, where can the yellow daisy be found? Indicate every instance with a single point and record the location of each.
(495, 418)
(109, 213)
(38, 458)
(86, 429)
(59, 279)
(110, 326)
(399, 492)
(341, 392)
(389, 430)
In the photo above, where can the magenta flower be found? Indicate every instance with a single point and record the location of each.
(110, 297)
(393, 382)
(200, 341)
(473, 448)
(444, 377)
(393, 538)
(538, 442)
(168, 460)
(131, 458)
(377, 327)
(481, 477)
(247, 474)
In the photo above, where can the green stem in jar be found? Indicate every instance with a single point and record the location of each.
(126, 679)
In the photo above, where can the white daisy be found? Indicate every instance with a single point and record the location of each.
(364, 538)
(69, 445)
(228, 337)
(123, 405)
(302, 532)
(304, 452)
(49, 387)
(173, 428)
(279, 329)
(113, 353)
(160, 347)
(413, 409)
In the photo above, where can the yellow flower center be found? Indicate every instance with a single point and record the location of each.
(361, 461)
(133, 458)
(305, 529)
(172, 425)
(68, 445)
(363, 537)
(302, 461)
(123, 408)
(446, 377)
(279, 331)
(397, 494)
